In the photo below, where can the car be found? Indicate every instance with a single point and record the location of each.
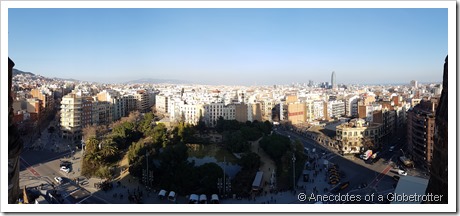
(334, 177)
(392, 148)
(203, 199)
(344, 185)
(162, 194)
(65, 169)
(333, 182)
(172, 196)
(58, 179)
(332, 173)
(65, 164)
(193, 199)
(402, 172)
(214, 199)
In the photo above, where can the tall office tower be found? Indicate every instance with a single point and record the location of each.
(333, 84)
(438, 169)
(414, 83)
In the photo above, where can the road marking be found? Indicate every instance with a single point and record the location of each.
(380, 176)
(30, 168)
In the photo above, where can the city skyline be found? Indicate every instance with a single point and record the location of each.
(231, 46)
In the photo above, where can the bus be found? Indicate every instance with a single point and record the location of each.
(257, 183)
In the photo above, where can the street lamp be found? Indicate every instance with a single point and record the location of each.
(147, 173)
(70, 149)
(82, 146)
(228, 186)
(293, 170)
(224, 182)
(219, 185)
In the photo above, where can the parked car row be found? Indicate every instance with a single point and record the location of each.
(203, 199)
(193, 199)
(334, 176)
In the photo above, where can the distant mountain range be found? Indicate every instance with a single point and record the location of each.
(17, 72)
(155, 81)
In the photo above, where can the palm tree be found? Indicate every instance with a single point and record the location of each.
(93, 156)
(91, 145)
(108, 148)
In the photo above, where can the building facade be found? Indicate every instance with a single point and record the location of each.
(420, 133)
(358, 134)
(297, 113)
(161, 103)
(71, 113)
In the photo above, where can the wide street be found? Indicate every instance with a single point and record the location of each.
(376, 176)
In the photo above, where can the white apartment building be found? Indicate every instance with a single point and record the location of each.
(213, 111)
(191, 113)
(315, 110)
(129, 103)
(335, 108)
(267, 106)
(151, 94)
(351, 105)
(71, 113)
(161, 103)
(142, 101)
(174, 109)
(117, 103)
(102, 113)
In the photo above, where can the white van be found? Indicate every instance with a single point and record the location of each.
(193, 199)
(162, 194)
(172, 196)
(214, 199)
(203, 199)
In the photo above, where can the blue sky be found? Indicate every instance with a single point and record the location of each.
(231, 46)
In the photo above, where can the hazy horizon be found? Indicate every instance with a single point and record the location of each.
(231, 46)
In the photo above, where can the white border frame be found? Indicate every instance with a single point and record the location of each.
(451, 207)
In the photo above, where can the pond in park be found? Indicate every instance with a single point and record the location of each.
(213, 153)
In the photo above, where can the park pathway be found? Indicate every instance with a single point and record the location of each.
(267, 164)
